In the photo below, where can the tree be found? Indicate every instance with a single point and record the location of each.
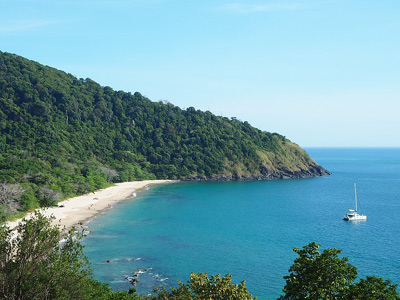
(111, 174)
(102, 291)
(33, 265)
(10, 194)
(200, 286)
(373, 288)
(316, 275)
(325, 275)
(48, 197)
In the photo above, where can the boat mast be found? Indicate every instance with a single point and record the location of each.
(355, 194)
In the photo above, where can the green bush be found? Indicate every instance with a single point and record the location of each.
(316, 275)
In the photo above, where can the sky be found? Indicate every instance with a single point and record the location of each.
(321, 73)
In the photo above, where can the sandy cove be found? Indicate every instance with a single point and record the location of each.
(79, 209)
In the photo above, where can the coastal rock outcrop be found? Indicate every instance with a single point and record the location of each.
(315, 171)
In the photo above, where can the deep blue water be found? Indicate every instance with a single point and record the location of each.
(248, 229)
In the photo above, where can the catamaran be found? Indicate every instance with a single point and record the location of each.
(353, 215)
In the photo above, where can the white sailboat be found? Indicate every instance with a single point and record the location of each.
(353, 215)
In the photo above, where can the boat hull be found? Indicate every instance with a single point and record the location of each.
(354, 217)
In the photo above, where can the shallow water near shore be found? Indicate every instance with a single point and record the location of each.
(248, 229)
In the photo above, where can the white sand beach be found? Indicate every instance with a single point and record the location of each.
(77, 210)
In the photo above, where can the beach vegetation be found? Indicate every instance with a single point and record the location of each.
(10, 195)
(48, 197)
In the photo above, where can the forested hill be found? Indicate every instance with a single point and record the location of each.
(69, 135)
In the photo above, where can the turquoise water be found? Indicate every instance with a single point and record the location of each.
(248, 229)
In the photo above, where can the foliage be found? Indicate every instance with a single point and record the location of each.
(33, 265)
(102, 291)
(200, 286)
(316, 275)
(48, 197)
(372, 288)
(74, 136)
(9, 198)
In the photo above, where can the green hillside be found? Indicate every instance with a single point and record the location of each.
(62, 136)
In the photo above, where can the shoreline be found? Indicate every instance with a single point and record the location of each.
(78, 210)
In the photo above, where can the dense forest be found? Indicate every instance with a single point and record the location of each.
(62, 136)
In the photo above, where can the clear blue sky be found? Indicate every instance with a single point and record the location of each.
(322, 73)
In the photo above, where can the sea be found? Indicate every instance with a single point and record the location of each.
(249, 229)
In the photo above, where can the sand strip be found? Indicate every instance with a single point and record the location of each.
(77, 210)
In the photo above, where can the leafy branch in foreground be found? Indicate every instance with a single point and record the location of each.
(200, 286)
(35, 265)
(316, 275)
